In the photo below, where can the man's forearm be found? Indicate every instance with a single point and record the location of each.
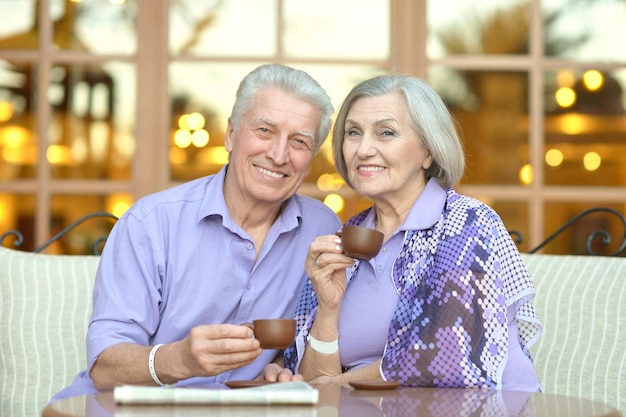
(128, 364)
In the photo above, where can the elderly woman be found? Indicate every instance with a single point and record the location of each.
(446, 302)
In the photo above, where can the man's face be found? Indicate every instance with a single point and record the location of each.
(272, 148)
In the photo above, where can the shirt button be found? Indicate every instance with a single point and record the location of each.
(248, 285)
(384, 250)
(249, 246)
(380, 267)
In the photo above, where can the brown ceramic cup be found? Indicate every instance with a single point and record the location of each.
(361, 242)
(274, 333)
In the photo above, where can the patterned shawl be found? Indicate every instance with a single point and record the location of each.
(455, 281)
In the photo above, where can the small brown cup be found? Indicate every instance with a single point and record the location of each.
(361, 242)
(274, 333)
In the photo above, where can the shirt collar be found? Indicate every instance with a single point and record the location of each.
(213, 203)
(427, 209)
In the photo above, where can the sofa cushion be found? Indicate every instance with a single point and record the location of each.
(45, 309)
(581, 301)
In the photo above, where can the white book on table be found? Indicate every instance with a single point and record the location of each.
(278, 393)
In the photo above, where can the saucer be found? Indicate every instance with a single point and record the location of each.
(374, 385)
(246, 383)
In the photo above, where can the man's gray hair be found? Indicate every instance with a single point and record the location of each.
(291, 80)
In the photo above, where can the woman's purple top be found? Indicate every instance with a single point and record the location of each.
(445, 303)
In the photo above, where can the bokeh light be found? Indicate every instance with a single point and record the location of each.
(565, 97)
(592, 161)
(593, 80)
(182, 138)
(335, 202)
(200, 138)
(554, 157)
(195, 121)
(526, 174)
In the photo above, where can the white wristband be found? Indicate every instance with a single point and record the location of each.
(327, 348)
(155, 378)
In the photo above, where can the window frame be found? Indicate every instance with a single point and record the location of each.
(150, 170)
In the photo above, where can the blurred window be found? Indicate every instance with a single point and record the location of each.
(105, 101)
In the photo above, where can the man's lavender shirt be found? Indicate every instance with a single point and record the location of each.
(177, 260)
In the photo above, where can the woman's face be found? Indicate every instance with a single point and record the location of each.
(384, 155)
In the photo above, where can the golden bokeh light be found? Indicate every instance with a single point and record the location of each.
(526, 174)
(592, 161)
(182, 138)
(14, 136)
(335, 202)
(338, 182)
(330, 182)
(118, 203)
(554, 157)
(573, 124)
(183, 122)
(593, 80)
(195, 121)
(565, 97)
(325, 182)
(6, 111)
(7, 210)
(4, 207)
(120, 208)
(200, 138)
(213, 155)
(59, 155)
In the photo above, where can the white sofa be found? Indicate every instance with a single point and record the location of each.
(581, 301)
(44, 312)
(46, 304)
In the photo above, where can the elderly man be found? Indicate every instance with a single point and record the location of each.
(185, 267)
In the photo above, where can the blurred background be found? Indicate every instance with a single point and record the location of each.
(105, 101)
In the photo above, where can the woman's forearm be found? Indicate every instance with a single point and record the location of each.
(370, 372)
(321, 362)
